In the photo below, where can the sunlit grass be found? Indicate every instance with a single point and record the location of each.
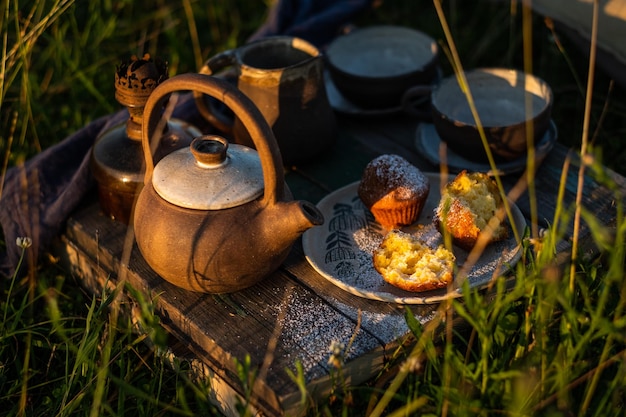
(553, 343)
(63, 352)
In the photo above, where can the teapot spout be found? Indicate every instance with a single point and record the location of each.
(299, 216)
(311, 213)
(289, 219)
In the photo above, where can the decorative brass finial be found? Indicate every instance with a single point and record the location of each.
(135, 80)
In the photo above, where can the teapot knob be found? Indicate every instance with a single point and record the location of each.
(209, 150)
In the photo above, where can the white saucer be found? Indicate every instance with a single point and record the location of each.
(341, 104)
(428, 142)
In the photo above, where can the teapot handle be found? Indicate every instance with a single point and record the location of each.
(250, 116)
(206, 108)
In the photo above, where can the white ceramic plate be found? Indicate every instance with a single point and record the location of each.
(341, 249)
(427, 142)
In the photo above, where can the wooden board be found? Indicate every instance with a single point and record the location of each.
(295, 314)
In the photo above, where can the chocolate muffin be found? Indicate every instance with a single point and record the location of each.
(394, 190)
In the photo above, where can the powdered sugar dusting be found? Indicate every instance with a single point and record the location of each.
(341, 250)
(405, 178)
(387, 327)
(308, 322)
(365, 276)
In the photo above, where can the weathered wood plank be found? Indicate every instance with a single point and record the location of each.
(276, 322)
(394, 134)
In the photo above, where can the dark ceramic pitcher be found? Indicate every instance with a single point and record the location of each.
(283, 76)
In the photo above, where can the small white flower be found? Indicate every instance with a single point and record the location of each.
(336, 354)
(412, 364)
(24, 242)
(336, 348)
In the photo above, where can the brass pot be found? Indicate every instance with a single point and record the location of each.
(116, 158)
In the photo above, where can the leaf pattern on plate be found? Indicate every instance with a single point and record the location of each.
(344, 218)
(344, 269)
(338, 243)
(338, 248)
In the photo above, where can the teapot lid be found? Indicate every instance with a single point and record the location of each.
(209, 175)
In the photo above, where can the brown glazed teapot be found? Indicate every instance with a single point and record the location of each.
(216, 217)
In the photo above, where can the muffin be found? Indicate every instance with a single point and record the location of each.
(467, 204)
(407, 263)
(394, 190)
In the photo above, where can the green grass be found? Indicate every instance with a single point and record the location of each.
(553, 345)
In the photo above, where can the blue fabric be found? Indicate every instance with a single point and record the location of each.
(38, 197)
(317, 21)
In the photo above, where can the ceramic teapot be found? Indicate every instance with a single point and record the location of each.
(216, 217)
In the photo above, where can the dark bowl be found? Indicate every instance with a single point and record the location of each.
(505, 100)
(373, 66)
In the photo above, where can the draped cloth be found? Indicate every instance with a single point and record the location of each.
(39, 195)
(317, 21)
